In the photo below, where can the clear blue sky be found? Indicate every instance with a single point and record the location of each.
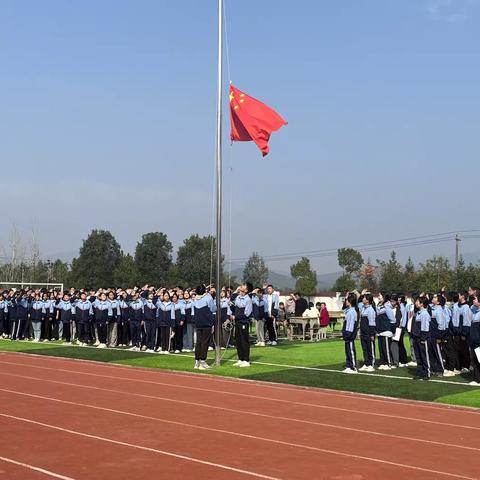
(108, 109)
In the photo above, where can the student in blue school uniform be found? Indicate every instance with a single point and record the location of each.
(241, 316)
(421, 337)
(258, 314)
(349, 333)
(83, 317)
(21, 310)
(112, 327)
(438, 335)
(37, 316)
(150, 323)
(465, 321)
(178, 313)
(4, 324)
(165, 323)
(367, 331)
(136, 318)
(49, 305)
(102, 313)
(271, 302)
(189, 326)
(384, 320)
(123, 328)
(65, 313)
(226, 313)
(204, 317)
(474, 340)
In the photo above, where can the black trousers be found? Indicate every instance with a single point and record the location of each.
(135, 333)
(271, 328)
(436, 355)
(83, 332)
(402, 352)
(242, 341)
(178, 338)
(350, 355)
(384, 348)
(150, 334)
(451, 354)
(47, 328)
(102, 332)
(368, 347)
(67, 331)
(204, 336)
(423, 358)
(165, 338)
(463, 352)
(123, 332)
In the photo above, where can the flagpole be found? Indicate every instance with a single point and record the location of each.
(218, 155)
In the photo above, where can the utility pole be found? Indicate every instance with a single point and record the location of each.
(457, 249)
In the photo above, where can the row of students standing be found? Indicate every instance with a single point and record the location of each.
(444, 338)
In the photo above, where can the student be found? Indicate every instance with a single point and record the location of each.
(465, 322)
(150, 323)
(383, 327)
(349, 333)
(324, 320)
(22, 309)
(399, 352)
(204, 318)
(165, 323)
(189, 326)
(4, 326)
(112, 326)
(438, 330)
(367, 332)
(421, 338)
(455, 332)
(135, 315)
(271, 302)
(178, 313)
(410, 310)
(259, 316)
(474, 340)
(37, 315)
(83, 317)
(65, 313)
(102, 314)
(123, 328)
(241, 316)
(226, 313)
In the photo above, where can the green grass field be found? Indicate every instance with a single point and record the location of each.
(298, 363)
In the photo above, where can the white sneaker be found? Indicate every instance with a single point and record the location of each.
(97, 343)
(177, 351)
(457, 372)
(269, 343)
(187, 350)
(102, 345)
(144, 347)
(465, 370)
(210, 349)
(474, 383)
(197, 365)
(363, 369)
(204, 365)
(448, 373)
(273, 344)
(149, 350)
(370, 368)
(402, 365)
(244, 364)
(349, 370)
(411, 364)
(237, 363)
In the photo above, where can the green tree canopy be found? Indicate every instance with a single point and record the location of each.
(99, 255)
(255, 271)
(153, 258)
(367, 278)
(344, 283)
(126, 274)
(435, 274)
(350, 260)
(306, 278)
(194, 260)
(391, 277)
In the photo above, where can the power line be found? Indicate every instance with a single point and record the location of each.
(370, 247)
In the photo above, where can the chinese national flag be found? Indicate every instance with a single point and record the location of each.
(252, 120)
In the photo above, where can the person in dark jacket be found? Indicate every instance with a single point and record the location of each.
(204, 308)
(349, 333)
(421, 338)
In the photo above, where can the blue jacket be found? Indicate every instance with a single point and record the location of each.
(243, 309)
(102, 311)
(136, 310)
(350, 325)
(367, 321)
(421, 325)
(66, 311)
(166, 314)
(37, 311)
(204, 310)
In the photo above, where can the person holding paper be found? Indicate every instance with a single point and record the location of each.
(421, 337)
(465, 318)
(384, 331)
(439, 333)
(349, 333)
(367, 331)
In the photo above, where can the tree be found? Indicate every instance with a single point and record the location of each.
(350, 260)
(434, 274)
(344, 283)
(255, 271)
(368, 277)
(126, 273)
(306, 278)
(194, 260)
(153, 258)
(99, 255)
(391, 279)
(410, 277)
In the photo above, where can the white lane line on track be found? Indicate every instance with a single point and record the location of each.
(36, 469)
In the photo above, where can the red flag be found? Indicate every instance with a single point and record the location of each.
(252, 120)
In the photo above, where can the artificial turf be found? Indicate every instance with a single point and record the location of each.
(299, 363)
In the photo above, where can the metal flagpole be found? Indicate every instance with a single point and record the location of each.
(218, 320)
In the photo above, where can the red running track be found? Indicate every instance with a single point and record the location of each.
(71, 419)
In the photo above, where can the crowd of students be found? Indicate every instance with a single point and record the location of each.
(444, 332)
(154, 320)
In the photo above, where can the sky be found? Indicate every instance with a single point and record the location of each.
(107, 120)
